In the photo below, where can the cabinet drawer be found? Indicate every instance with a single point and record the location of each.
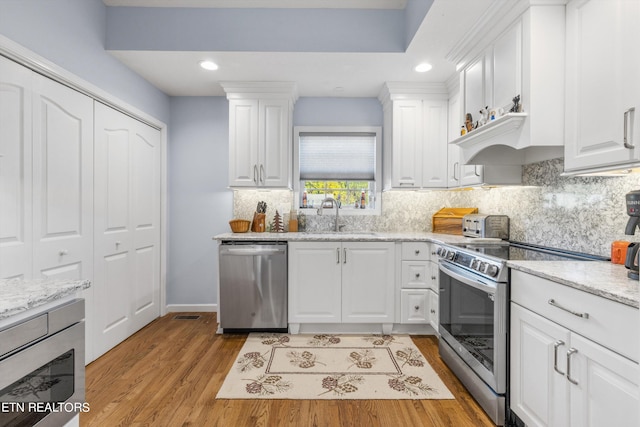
(415, 251)
(416, 274)
(608, 322)
(414, 306)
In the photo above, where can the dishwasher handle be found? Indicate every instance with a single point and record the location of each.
(253, 250)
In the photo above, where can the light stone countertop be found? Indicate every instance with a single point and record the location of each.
(346, 236)
(17, 295)
(596, 277)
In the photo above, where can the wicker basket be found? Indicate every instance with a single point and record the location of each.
(239, 225)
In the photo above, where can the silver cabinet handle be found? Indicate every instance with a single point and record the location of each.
(344, 261)
(337, 255)
(455, 168)
(255, 173)
(555, 356)
(417, 307)
(261, 173)
(417, 275)
(627, 113)
(475, 170)
(569, 353)
(63, 252)
(433, 311)
(575, 313)
(417, 251)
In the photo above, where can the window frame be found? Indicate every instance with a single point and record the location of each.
(345, 130)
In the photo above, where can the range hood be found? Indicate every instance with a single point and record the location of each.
(508, 141)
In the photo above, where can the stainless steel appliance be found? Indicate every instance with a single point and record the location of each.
(253, 286)
(479, 225)
(42, 368)
(474, 315)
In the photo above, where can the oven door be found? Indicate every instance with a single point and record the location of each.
(43, 384)
(473, 321)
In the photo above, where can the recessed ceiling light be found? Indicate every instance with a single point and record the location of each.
(423, 68)
(209, 65)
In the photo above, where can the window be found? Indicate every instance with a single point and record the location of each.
(343, 163)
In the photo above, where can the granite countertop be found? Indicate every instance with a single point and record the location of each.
(17, 295)
(600, 278)
(346, 236)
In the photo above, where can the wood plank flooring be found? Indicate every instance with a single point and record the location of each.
(168, 374)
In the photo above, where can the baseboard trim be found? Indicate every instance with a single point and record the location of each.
(192, 308)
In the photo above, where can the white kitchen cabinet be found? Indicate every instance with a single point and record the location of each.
(458, 173)
(567, 369)
(603, 89)
(260, 134)
(16, 202)
(127, 231)
(415, 135)
(341, 282)
(419, 285)
(520, 52)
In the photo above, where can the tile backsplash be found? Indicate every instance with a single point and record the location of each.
(578, 213)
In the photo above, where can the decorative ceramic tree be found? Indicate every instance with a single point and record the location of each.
(278, 225)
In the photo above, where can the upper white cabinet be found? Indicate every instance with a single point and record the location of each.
(523, 56)
(461, 175)
(603, 88)
(260, 134)
(415, 135)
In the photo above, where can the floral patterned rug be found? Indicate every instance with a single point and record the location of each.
(283, 366)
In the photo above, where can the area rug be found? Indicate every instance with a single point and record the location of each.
(283, 366)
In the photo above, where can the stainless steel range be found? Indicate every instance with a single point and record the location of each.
(474, 314)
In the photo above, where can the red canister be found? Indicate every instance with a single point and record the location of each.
(619, 251)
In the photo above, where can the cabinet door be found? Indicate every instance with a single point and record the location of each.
(602, 83)
(315, 282)
(434, 151)
(476, 87)
(407, 144)
(243, 143)
(471, 175)
(274, 136)
(539, 392)
(15, 170)
(62, 181)
(127, 230)
(368, 277)
(507, 67)
(607, 391)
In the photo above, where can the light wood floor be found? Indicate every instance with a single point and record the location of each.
(168, 374)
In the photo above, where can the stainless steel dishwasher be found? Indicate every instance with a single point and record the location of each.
(253, 286)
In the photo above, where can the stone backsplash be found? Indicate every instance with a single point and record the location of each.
(577, 213)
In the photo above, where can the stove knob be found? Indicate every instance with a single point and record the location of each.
(440, 252)
(474, 264)
(451, 255)
(492, 270)
(480, 266)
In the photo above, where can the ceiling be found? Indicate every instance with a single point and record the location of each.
(317, 74)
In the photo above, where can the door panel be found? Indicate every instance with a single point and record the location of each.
(15, 170)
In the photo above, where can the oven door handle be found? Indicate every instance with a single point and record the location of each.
(458, 274)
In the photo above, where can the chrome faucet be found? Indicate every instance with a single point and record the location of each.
(334, 203)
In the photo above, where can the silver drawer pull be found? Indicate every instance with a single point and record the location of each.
(569, 353)
(575, 313)
(555, 356)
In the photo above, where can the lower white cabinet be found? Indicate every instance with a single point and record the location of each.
(419, 285)
(341, 282)
(560, 377)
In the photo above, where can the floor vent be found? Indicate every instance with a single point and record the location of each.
(186, 317)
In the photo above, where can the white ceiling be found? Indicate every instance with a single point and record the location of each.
(317, 74)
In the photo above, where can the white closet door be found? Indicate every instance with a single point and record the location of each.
(113, 263)
(15, 170)
(62, 181)
(146, 157)
(127, 226)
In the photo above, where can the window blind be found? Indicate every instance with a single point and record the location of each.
(338, 157)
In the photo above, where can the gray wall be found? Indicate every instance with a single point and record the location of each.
(200, 200)
(71, 34)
